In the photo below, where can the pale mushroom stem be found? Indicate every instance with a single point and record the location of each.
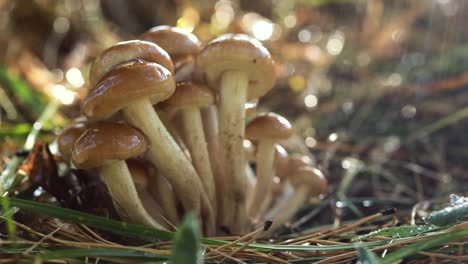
(233, 95)
(170, 160)
(120, 184)
(153, 208)
(290, 208)
(262, 191)
(251, 180)
(162, 191)
(210, 125)
(172, 129)
(196, 143)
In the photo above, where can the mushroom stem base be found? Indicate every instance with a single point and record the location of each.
(163, 193)
(196, 143)
(169, 159)
(233, 95)
(289, 209)
(262, 191)
(120, 184)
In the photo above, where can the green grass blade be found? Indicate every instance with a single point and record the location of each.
(397, 232)
(187, 246)
(133, 230)
(26, 96)
(99, 252)
(8, 214)
(366, 256)
(424, 245)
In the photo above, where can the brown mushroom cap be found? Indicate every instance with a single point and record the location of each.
(268, 126)
(177, 42)
(124, 84)
(67, 138)
(190, 94)
(126, 51)
(311, 177)
(239, 53)
(104, 142)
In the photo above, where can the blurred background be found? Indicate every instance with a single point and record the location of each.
(377, 90)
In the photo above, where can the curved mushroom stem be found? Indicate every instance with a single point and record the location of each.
(153, 208)
(167, 156)
(210, 125)
(119, 182)
(289, 208)
(196, 143)
(262, 192)
(233, 95)
(162, 191)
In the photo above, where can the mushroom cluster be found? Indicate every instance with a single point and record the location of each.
(166, 130)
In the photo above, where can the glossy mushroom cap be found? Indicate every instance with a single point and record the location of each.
(67, 138)
(268, 126)
(139, 173)
(190, 94)
(177, 42)
(310, 177)
(124, 84)
(107, 142)
(239, 53)
(126, 51)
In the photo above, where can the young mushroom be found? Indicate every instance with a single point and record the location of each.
(240, 69)
(188, 100)
(307, 182)
(125, 51)
(180, 45)
(141, 180)
(132, 88)
(67, 138)
(106, 146)
(267, 130)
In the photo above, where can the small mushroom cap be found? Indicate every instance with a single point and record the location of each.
(177, 42)
(126, 83)
(268, 126)
(67, 138)
(126, 51)
(310, 177)
(190, 94)
(139, 173)
(107, 142)
(236, 52)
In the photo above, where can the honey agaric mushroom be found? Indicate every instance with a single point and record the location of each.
(133, 87)
(125, 51)
(164, 194)
(141, 180)
(267, 130)
(180, 45)
(307, 182)
(106, 146)
(188, 99)
(67, 138)
(241, 70)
